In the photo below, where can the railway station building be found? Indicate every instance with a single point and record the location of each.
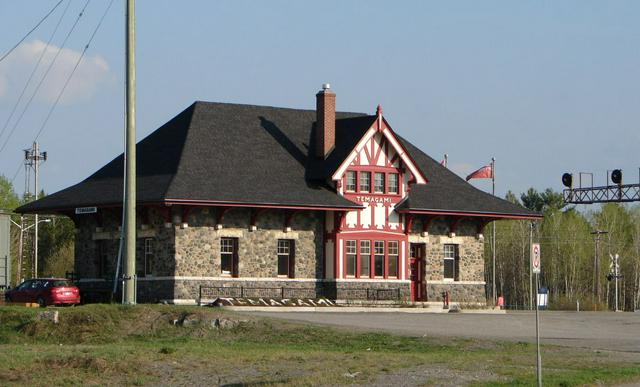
(259, 201)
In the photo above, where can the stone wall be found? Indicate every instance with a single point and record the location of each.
(458, 292)
(157, 290)
(99, 234)
(470, 285)
(198, 246)
(186, 254)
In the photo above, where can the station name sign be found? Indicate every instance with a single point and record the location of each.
(373, 199)
(86, 210)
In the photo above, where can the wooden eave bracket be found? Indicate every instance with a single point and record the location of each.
(453, 225)
(255, 214)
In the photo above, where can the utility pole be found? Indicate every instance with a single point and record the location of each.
(596, 264)
(33, 157)
(20, 253)
(129, 280)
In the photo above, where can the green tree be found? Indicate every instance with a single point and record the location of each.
(56, 245)
(532, 200)
(9, 200)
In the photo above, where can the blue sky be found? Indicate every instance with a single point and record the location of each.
(544, 87)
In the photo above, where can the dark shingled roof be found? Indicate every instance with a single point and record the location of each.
(256, 155)
(447, 192)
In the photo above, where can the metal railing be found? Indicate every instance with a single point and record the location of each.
(281, 292)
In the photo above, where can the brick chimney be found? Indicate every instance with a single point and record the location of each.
(325, 121)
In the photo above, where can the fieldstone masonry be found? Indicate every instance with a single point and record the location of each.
(185, 255)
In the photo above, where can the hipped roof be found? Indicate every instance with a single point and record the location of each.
(232, 154)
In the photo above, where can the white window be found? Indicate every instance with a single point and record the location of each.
(379, 183)
(365, 181)
(228, 256)
(451, 262)
(351, 258)
(351, 182)
(365, 258)
(392, 261)
(148, 256)
(393, 183)
(286, 258)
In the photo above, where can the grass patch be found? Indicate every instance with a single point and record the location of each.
(151, 344)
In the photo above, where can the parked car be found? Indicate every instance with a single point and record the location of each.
(45, 291)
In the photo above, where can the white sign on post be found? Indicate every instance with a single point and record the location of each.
(535, 258)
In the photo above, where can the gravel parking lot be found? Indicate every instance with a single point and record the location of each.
(593, 330)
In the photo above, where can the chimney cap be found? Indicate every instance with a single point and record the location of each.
(326, 86)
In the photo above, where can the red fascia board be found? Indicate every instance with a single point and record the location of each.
(169, 202)
(472, 214)
(259, 205)
(404, 149)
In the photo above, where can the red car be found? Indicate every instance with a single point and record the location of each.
(45, 291)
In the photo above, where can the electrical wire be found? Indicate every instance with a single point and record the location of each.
(84, 51)
(16, 173)
(24, 89)
(35, 92)
(29, 33)
(69, 78)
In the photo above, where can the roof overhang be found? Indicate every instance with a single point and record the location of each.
(477, 214)
(207, 203)
(218, 203)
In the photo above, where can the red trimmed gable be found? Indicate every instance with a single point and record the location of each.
(365, 151)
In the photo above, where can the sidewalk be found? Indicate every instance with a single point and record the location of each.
(357, 309)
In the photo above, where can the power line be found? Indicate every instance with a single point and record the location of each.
(16, 173)
(44, 76)
(86, 47)
(93, 34)
(29, 33)
(24, 89)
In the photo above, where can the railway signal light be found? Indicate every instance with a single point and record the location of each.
(616, 176)
(567, 180)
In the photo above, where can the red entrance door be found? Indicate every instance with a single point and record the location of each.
(418, 284)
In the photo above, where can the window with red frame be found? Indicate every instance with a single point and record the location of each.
(351, 258)
(365, 258)
(378, 269)
(350, 184)
(365, 181)
(392, 259)
(394, 186)
(379, 183)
